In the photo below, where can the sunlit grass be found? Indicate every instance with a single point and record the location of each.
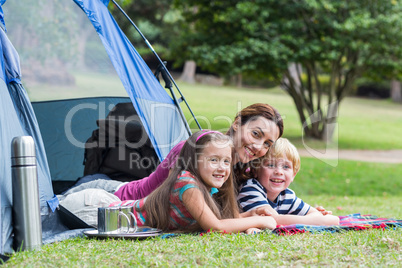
(380, 206)
(362, 123)
(348, 178)
(370, 248)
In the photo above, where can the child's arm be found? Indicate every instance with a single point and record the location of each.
(261, 211)
(313, 217)
(195, 204)
(323, 210)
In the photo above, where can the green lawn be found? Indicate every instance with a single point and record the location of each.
(370, 248)
(362, 124)
(348, 178)
(350, 187)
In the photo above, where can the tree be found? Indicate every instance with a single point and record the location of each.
(40, 22)
(188, 74)
(296, 42)
(42, 36)
(159, 23)
(155, 19)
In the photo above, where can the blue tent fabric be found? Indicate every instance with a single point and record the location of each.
(160, 117)
(2, 24)
(30, 127)
(25, 117)
(17, 118)
(11, 60)
(158, 113)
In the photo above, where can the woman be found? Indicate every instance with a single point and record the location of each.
(253, 131)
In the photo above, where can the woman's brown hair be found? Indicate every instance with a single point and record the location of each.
(223, 204)
(256, 110)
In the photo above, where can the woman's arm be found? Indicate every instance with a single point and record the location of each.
(313, 217)
(195, 204)
(138, 189)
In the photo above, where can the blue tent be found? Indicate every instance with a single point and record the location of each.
(154, 106)
(59, 158)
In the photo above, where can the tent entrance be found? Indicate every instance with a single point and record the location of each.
(94, 135)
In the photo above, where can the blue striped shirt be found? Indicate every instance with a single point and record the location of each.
(253, 195)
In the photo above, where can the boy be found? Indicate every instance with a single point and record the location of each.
(270, 190)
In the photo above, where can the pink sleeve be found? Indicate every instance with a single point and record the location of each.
(141, 188)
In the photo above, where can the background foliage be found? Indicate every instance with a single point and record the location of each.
(342, 39)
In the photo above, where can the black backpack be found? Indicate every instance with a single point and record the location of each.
(120, 147)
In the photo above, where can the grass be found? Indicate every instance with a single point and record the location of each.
(349, 187)
(362, 123)
(370, 248)
(349, 178)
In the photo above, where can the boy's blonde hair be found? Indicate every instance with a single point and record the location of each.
(283, 147)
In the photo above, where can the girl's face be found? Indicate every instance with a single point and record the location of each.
(214, 164)
(253, 139)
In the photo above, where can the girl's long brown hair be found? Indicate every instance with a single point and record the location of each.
(223, 204)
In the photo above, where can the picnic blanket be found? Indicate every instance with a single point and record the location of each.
(347, 223)
(353, 222)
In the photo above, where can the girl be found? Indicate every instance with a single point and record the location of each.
(253, 131)
(184, 200)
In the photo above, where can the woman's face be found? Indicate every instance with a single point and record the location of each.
(253, 139)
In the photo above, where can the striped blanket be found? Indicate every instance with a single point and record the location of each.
(350, 222)
(353, 222)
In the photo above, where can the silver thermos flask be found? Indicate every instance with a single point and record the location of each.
(26, 206)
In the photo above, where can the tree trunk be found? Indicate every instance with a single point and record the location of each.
(315, 123)
(330, 122)
(188, 74)
(294, 69)
(239, 80)
(396, 91)
(82, 38)
(236, 80)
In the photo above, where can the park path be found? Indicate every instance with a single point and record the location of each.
(386, 156)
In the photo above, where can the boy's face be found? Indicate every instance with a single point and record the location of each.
(275, 174)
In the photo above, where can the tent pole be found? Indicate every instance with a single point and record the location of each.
(168, 85)
(164, 68)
